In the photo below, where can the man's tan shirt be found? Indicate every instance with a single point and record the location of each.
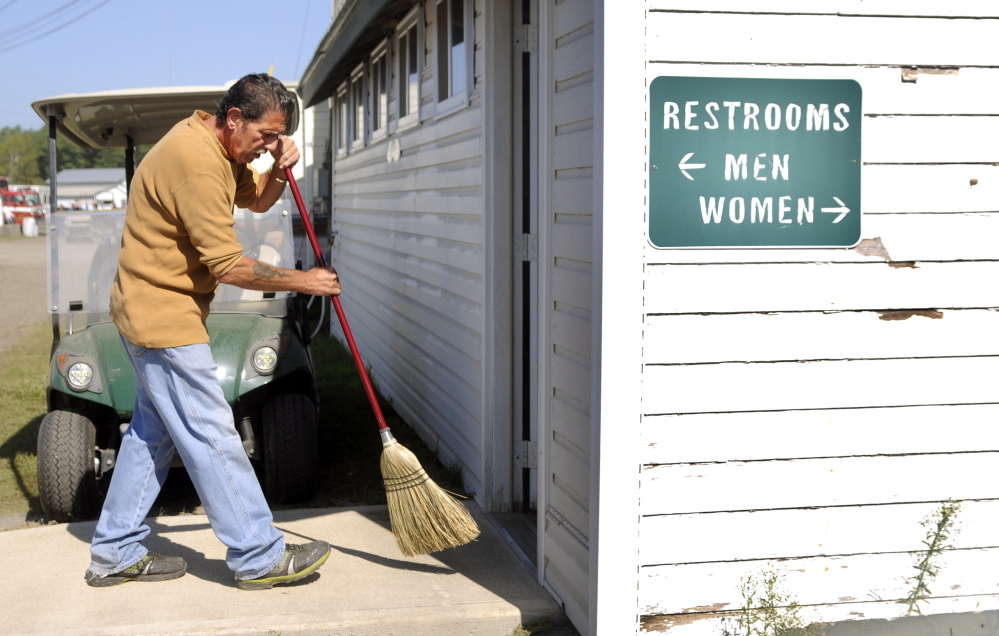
(178, 237)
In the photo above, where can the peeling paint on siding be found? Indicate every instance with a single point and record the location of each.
(872, 247)
(909, 313)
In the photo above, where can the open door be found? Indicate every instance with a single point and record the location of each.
(522, 522)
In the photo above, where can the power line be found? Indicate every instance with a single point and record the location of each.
(7, 5)
(72, 20)
(301, 40)
(14, 30)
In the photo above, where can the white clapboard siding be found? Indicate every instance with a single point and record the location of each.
(902, 139)
(669, 589)
(572, 196)
(442, 178)
(460, 208)
(574, 238)
(929, 188)
(890, 237)
(452, 298)
(934, 8)
(820, 385)
(567, 569)
(574, 147)
(819, 287)
(420, 170)
(449, 257)
(570, 18)
(573, 101)
(573, 53)
(894, 430)
(684, 339)
(570, 419)
(409, 248)
(810, 483)
(794, 534)
(453, 397)
(964, 91)
(705, 622)
(422, 325)
(451, 224)
(569, 285)
(408, 331)
(566, 216)
(571, 484)
(818, 39)
(785, 419)
(570, 331)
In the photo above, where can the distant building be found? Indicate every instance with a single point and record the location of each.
(91, 189)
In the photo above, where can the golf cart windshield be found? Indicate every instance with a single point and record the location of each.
(84, 248)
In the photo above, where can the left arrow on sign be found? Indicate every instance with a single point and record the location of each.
(842, 210)
(684, 166)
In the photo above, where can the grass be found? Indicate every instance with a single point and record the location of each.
(348, 434)
(544, 627)
(24, 376)
(349, 449)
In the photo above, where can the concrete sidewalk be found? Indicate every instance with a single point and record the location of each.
(366, 587)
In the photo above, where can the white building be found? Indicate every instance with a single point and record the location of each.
(91, 189)
(652, 425)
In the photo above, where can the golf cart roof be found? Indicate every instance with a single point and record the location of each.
(104, 119)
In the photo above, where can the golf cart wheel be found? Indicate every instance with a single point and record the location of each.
(290, 448)
(67, 484)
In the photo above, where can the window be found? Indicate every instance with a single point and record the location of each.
(341, 114)
(454, 43)
(357, 110)
(379, 90)
(409, 60)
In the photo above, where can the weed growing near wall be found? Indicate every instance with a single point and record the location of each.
(940, 531)
(767, 608)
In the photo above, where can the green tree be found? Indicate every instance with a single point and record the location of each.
(19, 156)
(24, 155)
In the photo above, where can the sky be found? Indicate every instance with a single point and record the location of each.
(55, 47)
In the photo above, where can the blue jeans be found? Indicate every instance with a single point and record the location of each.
(179, 406)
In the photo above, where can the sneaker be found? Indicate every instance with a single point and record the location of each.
(152, 567)
(298, 562)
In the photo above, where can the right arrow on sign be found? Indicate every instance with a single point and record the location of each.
(842, 210)
(684, 166)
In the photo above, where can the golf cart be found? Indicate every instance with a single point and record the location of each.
(259, 340)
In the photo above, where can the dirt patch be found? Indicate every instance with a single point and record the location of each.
(23, 286)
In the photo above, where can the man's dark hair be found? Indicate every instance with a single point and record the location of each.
(257, 94)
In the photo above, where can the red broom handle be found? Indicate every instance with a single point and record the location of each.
(365, 380)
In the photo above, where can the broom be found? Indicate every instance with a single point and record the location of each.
(425, 518)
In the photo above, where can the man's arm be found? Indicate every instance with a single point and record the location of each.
(251, 274)
(269, 190)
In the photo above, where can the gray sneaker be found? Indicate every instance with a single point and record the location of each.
(152, 567)
(298, 562)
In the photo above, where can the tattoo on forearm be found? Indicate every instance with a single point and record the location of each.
(266, 272)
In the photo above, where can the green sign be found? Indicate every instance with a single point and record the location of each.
(739, 162)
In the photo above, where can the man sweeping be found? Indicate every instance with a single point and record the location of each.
(177, 245)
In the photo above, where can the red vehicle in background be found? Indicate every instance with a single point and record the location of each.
(19, 202)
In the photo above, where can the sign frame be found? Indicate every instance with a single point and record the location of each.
(754, 163)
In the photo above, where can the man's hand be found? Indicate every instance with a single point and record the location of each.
(285, 154)
(326, 281)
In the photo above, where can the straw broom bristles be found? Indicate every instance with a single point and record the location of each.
(425, 517)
